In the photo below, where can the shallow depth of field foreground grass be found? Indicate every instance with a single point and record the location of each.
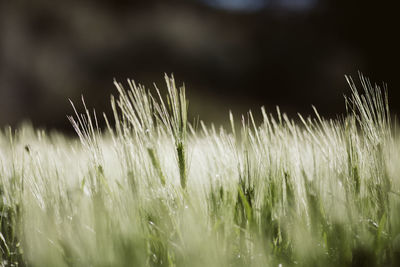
(154, 190)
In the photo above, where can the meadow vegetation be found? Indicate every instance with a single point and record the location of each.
(153, 189)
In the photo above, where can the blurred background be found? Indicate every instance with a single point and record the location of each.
(231, 54)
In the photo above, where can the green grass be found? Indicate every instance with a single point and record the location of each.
(154, 190)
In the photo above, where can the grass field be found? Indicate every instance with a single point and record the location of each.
(156, 190)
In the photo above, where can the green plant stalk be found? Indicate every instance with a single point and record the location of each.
(180, 149)
(156, 164)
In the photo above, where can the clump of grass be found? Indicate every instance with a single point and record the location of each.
(174, 118)
(312, 192)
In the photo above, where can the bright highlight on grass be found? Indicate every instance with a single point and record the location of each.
(154, 190)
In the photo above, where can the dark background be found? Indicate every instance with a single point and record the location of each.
(231, 54)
